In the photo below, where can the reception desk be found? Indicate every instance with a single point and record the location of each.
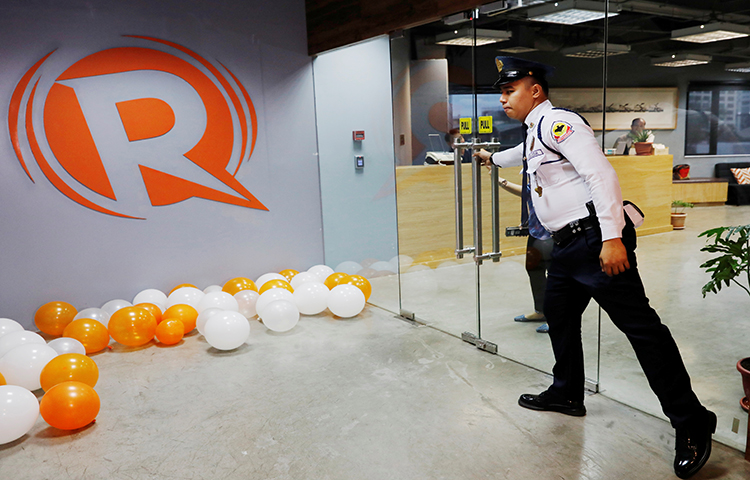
(426, 205)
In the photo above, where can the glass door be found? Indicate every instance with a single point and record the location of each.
(460, 272)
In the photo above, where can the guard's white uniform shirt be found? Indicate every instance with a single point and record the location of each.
(566, 185)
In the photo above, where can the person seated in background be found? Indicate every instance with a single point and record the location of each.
(628, 139)
(454, 136)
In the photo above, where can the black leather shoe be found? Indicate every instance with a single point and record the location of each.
(545, 401)
(693, 447)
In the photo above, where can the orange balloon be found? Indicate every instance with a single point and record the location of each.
(2, 380)
(362, 283)
(183, 285)
(288, 274)
(170, 331)
(92, 334)
(69, 367)
(335, 279)
(70, 405)
(184, 313)
(155, 311)
(52, 318)
(275, 284)
(238, 284)
(132, 326)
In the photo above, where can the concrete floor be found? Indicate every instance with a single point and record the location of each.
(372, 397)
(712, 333)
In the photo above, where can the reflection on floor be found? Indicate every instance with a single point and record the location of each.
(712, 333)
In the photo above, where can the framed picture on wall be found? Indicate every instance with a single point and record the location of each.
(658, 106)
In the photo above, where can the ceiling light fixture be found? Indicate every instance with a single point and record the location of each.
(595, 50)
(465, 37)
(456, 18)
(518, 49)
(711, 32)
(680, 60)
(570, 12)
(743, 67)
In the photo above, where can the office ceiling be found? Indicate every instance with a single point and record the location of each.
(645, 26)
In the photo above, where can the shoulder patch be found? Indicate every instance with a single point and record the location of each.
(561, 130)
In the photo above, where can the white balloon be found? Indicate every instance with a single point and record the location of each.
(346, 301)
(304, 277)
(349, 267)
(14, 339)
(269, 296)
(246, 300)
(384, 267)
(311, 298)
(7, 326)
(19, 412)
(268, 276)
(67, 345)
(280, 315)
(203, 317)
(94, 313)
(150, 295)
(401, 261)
(320, 271)
(185, 296)
(114, 305)
(227, 330)
(212, 288)
(23, 365)
(221, 300)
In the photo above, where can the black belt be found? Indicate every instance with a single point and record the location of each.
(574, 228)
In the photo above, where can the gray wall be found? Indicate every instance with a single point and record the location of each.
(53, 248)
(353, 92)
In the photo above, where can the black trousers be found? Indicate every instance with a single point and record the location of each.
(573, 279)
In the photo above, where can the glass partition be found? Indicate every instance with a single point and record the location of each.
(623, 73)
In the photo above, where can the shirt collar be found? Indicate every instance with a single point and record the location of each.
(533, 117)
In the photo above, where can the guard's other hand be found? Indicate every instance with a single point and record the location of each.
(613, 257)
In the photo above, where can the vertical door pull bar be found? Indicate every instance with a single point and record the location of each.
(458, 183)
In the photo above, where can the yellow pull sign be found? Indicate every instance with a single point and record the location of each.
(465, 125)
(485, 124)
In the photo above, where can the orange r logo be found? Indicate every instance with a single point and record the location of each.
(164, 114)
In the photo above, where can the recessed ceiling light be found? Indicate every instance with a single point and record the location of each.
(595, 50)
(680, 60)
(711, 32)
(743, 67)
(569, 12)
(465, 37)
(518, 49)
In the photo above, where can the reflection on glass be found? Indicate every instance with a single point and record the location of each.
(698, 123)
(734, 122)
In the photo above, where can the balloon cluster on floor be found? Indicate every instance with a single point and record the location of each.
(62, 369)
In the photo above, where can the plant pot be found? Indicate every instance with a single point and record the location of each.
(743, 366)
(678, 221)
(644, 148)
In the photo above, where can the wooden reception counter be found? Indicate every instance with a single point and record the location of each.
(426, 211)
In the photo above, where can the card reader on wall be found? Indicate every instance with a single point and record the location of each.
(359, 162)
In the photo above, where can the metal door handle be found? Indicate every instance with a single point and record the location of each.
(458, 184)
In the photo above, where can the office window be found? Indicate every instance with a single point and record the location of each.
(718, 120)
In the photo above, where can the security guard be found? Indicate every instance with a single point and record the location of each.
(577, 197)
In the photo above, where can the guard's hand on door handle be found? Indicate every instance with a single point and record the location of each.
(485, 156)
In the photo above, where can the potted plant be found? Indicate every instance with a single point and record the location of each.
(731, 266)
(641, 143)
(678, 213)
